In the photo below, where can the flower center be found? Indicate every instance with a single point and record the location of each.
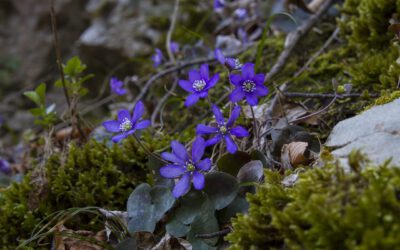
(223, 129)
(238, 65)
(190, 167)
(199, 85)
(125, 125)
(248, 86)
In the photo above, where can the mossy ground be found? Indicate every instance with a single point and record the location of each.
(365, 56)
(326, 209)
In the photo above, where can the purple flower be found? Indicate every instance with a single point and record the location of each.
(224, 130)
(174, 46)
(157, 58)
(5, 167)
(231, 63)
(242, 34)
(241, 13)
(117, 86)
(188, 169)
(126, 124)
(198, 85)
(219, 4)
(248, 85)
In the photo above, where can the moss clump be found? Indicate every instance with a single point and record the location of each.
(92, 175)
(326, 209)
(366, 23)
(385, 98)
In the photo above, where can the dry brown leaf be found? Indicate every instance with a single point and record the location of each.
(293, 154)
(170, 243)
(69, 242)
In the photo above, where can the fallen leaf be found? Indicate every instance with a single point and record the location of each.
(294, 154)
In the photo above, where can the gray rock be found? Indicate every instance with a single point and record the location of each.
(376, 132)
(120, 30)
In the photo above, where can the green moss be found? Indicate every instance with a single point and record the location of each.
(385, 98)
(376, 71)
(326, 209)
(366, 23)
(92, 175)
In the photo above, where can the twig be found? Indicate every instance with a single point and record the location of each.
(148, 150)
(323, 96)
(171, 30)
(294, 37)
(255, 127)
(162, 102)
(304, 118)
(215, 234)
(318, 53)
(58, 54)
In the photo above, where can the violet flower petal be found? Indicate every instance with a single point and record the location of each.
(218, 115)
(235, 79)
(230, 144)
(213, 140)
(204, 165)
(248, 71)
(234, 116)
(143, 124)
(137, 111)
(252, 100)
(259, 79)
(236, 95)
(172, 171)
(219, 56)
(239, 131)
(172, 158)
(182, 186)
(262, 90)
(123, 114)
(191, 99)
(204, 71)
(179, 150)
(194, 75)
(198, 149)
(198, 180)
(214, 79)
(112, 126)
(202, 129)
(119, 137)
(186, 85)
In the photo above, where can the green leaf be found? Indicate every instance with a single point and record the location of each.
(258, 155)
(146, 206)
(231, 163)
(204, 223)
(252, 171)
(176, 228)
(127, 244)
(41, 91)
(238, 205)
(190, 206)
(33, 96)
(221, 188)
(37, 112)
(74, 67)
(140, 210)
(163, 201)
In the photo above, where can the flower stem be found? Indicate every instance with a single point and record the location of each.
(148, 150)
(255, 127)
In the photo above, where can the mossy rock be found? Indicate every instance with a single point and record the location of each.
(325, 209)
(91, 175)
